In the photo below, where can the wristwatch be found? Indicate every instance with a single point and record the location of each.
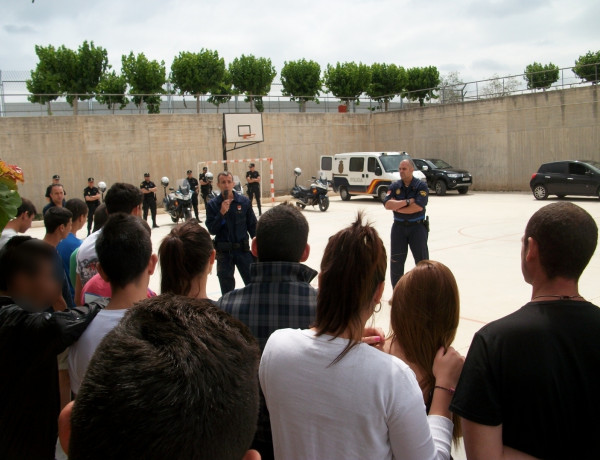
(408, 202)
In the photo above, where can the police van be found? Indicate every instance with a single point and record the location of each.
(363, 173)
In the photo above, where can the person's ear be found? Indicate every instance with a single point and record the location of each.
(152, 264)
(102, 273)
(212, 257)
(251, 455)
(378, 293)
(305, 253)
(64, 427)
(254, 247)
(532, 251)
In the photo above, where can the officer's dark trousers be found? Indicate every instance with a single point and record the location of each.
(226, 263)
(254, 192)
(90, 219)
(195, 204)
(405, 235)
(149, 204)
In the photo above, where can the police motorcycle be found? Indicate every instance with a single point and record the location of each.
(178, 203)
(211, 194)
(316, 194)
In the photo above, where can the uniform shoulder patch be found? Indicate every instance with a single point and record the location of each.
(397, 191)
(423, 193)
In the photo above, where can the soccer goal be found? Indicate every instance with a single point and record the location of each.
(238, 169)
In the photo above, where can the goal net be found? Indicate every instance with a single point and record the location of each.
(238, 168)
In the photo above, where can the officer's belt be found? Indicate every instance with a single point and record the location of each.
(407, 223)
(225, 246)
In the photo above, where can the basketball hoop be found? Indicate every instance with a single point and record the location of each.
(248, 136)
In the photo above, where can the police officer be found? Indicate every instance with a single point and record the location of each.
(205, 185)
(149, 190)
(194, 188)
(407, 198)
(253, 179)
(231, 219)
(91, 195)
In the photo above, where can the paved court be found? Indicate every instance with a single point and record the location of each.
(477, 235)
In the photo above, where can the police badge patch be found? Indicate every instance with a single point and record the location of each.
(423, 193)
(397, 191)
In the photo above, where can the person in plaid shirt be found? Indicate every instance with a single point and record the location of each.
(279, 294)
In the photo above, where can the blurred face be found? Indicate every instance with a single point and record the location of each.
(252, 168)
(39, 291)
(57, 195)
(226, 183)
(406, 171)
(66, 229)
(90, 183)
(147, 178)
(25, 222)
(189, 174)
(56, 181)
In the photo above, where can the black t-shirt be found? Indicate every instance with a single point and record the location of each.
(537, 372)
(204, 188)
(253, 175)
(91, 191)
(193, 183)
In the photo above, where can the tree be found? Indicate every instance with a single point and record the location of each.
(500, 86)
(387, 80)
(111, 91)
(301, 80)
(421, 83)
(587, 67)
(452, 88)
(348, 80)
(542, 76)
(252, 76)
(222, 92)
(44, 84)
(197, 73)
(146, 79)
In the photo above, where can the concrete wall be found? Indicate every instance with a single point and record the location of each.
(502, 141)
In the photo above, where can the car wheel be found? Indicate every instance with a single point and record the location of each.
(382, 193)
(463, 190)
(440, 188)
(344, 194)
(540, 192)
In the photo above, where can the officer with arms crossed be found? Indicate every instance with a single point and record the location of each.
(230, 217)
(407, 198)
(253, 179)
(205, 184)
(194, 188)
(91, 194)
(149, 190)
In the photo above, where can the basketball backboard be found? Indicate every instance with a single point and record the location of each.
(242, 128)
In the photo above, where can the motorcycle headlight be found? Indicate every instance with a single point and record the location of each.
(176, 203)
(314, 191)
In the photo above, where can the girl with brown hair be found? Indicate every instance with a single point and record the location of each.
(424, 318)
(329, 394)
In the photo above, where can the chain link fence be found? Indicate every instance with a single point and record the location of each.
(15, 99)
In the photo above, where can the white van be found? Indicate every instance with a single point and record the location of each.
(364, 173)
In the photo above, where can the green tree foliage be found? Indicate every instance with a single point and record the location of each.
(387, 81)
(421, 82)
(222, 92)
(452, 88)
(252, 76)
(538, 75)
(44, 84)
(587, 67)
(111, 91)
(197, 73)
(146, 79)
(347, 80)
(301, 80)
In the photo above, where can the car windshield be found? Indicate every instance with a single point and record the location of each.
(391, 162)
(440, 164)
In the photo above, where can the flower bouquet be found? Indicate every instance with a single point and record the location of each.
(9, 196)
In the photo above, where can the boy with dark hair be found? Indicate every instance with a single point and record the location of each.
(126, 262)
(279, 294)
(152, 391)
(120, 197)
(58, 225)
(66, 247)
(529, 386)
(31, 336)
(21, 223)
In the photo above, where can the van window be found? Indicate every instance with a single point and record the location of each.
(371, 164)
(577, 168)
(357, 164)
(326, 163)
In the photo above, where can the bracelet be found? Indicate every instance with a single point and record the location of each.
(449, 390)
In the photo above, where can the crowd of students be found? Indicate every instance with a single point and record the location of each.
(279, 369)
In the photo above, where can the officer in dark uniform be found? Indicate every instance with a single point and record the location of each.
(55, 181)
(205, 185)
(194, 188)
(231, 219)
(253, 179)
(408, 199)
(91, 195)
(149, 191)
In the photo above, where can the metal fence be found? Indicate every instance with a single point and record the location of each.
(14, 98)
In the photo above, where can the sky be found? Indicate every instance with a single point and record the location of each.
(473, 37)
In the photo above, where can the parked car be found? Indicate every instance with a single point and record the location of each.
(562, 178)
(441, 176)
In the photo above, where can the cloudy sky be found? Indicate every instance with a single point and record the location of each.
(476, 38)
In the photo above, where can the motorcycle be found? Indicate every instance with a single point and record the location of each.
(316, 194)
(177, 203)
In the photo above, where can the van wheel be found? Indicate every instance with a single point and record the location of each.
(344, 194)
(382, 193)
(440, 188)
(540, 192)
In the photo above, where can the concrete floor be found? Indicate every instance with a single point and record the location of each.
(478, 236)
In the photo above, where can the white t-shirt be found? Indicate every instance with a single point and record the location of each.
(87, 258)
(81, 352)
(7, 234)
(368, 405)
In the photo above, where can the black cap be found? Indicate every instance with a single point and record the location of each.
(56, 176)
(205, 168)
(252, 165)
(189, 171)
(90, 179)
(146, 174)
